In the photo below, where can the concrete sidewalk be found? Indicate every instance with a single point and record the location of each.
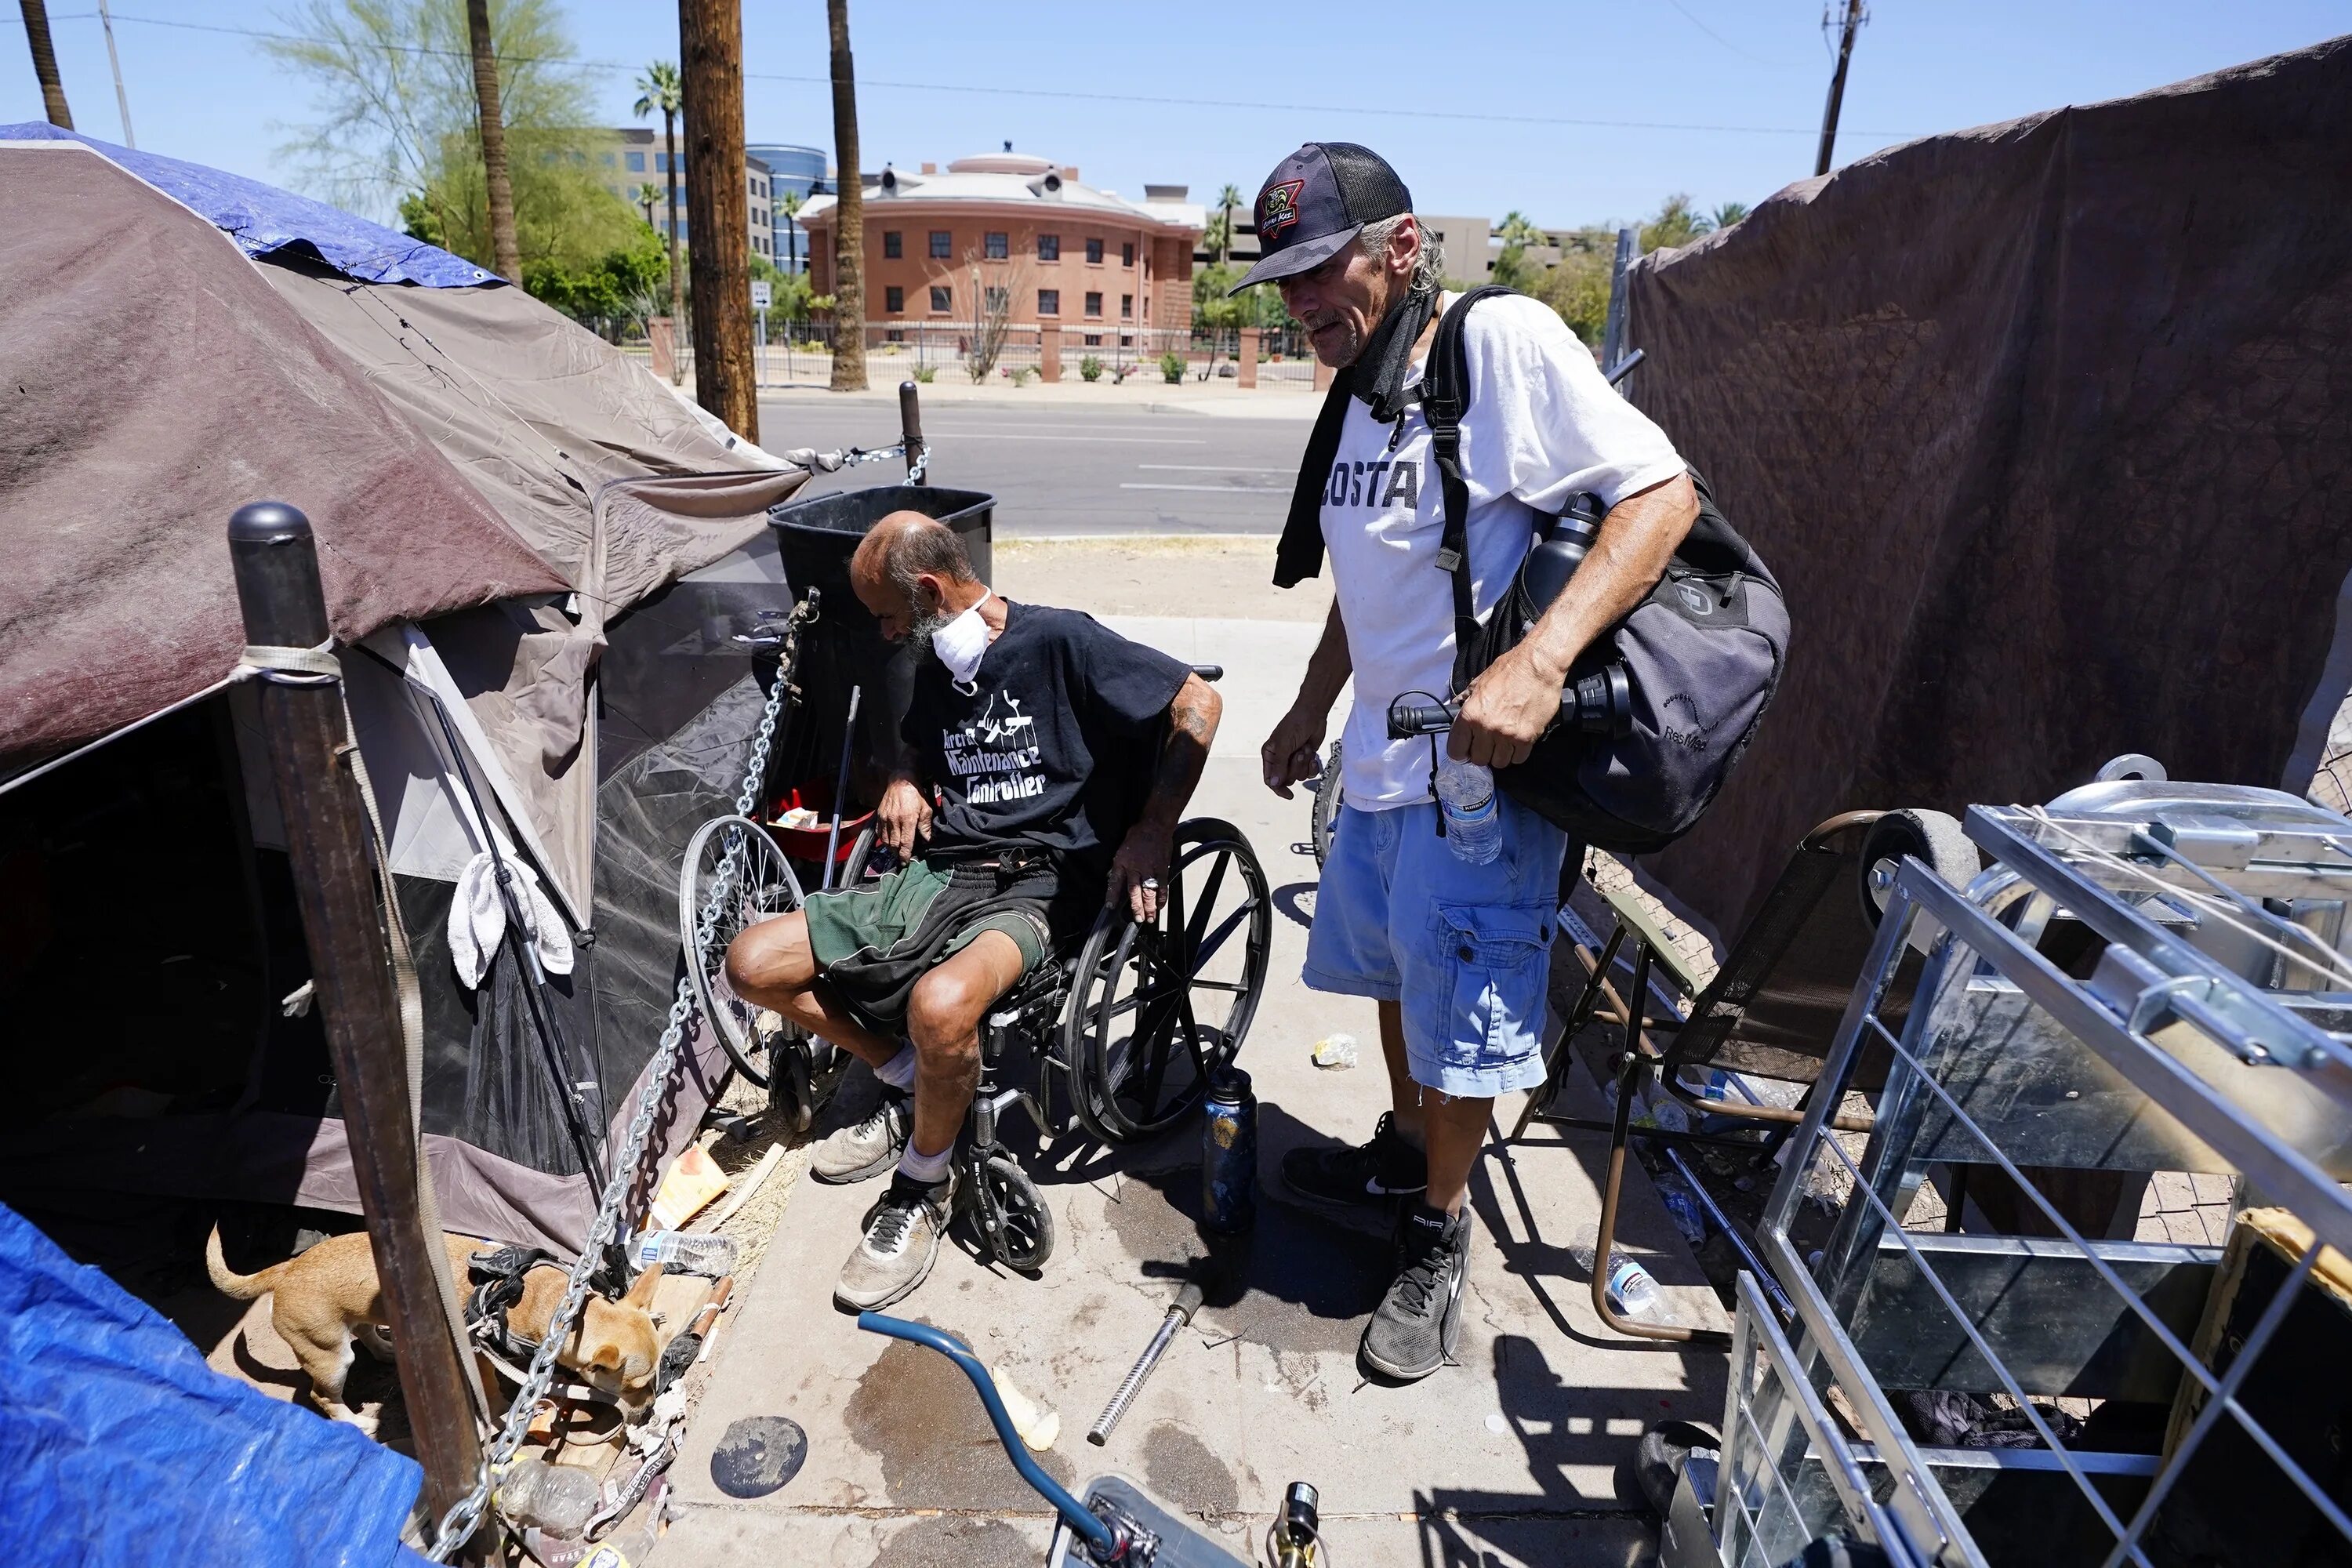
(1518, 1454)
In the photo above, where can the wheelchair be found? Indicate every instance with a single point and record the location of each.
(1117, 1034)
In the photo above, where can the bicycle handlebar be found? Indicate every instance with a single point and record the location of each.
(1601, 703)
(1102, 1541)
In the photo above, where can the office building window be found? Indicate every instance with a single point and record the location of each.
(1049, 247)
(636, 161)
(891, 248)
(1127, 254)
(1147, 310)
(1094, 251)
(942, 298)
(1094, 303)
(999, 301)
(1127, 307)
(1093, 340)
(894, 301)
(997, 246)
(942, 245)
(608, 159)
(1049, 301)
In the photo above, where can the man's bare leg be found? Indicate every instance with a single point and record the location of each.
(1456, 1130)
(943, 1018)
(771, 966)
(1405, 1095)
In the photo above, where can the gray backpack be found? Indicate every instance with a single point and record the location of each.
(1699, 659)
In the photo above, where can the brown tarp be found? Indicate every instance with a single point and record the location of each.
(2046, 429)
(154, 383)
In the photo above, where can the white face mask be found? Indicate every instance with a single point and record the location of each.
(960, 642)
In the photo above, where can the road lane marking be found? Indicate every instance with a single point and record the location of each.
(1212, 489)
(1210, 468)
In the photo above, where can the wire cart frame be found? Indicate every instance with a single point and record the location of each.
(2149, 979)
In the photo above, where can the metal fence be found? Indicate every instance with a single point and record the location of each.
(803, 355)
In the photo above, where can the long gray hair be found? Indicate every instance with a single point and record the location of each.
(1428, 268)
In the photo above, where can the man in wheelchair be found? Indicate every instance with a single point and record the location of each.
(1009, 814)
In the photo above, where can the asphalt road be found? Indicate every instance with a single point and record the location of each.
(1059, 470)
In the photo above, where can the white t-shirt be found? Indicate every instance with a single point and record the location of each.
(1542, 426)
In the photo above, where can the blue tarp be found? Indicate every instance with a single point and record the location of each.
(264, 219)
(118, 1445)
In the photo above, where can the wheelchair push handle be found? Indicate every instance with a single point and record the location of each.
(1209, 672)
(1601, 703)
(1104, 1542)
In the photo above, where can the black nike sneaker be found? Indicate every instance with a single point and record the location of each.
(1415, 1329)
(1382, 1171)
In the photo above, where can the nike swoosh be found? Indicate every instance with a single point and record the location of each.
(1375, 1187)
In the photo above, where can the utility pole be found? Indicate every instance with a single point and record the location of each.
(45, 63)
(1854, 18)
(506, 254)
(718, 211)
(121, 98)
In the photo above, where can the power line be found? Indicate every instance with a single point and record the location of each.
(1726, 43)
(864, 82)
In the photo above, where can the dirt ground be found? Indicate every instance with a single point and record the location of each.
(1227, 576)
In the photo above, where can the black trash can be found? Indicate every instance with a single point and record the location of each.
(816, 537)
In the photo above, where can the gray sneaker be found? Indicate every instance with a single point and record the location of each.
(1418, 1323)
(867, 1148)
(902, 1242)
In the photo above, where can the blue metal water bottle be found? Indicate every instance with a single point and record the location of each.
(1229, 1155)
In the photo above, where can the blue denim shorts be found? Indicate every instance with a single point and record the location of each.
(1466, 949)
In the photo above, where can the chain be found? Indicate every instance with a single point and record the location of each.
(809, 457)
(464, 1517)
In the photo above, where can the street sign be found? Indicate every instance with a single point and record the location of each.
(762, 295)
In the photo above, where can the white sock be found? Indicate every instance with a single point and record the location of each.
(898, 1072)
(929, 1169)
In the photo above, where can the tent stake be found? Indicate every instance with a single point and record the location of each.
(276, 562)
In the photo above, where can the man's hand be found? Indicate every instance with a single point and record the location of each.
(1142, 859)
(1506, 710)
(1292, 751)
(905, 815)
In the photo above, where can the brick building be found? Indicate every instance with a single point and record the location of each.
(1067, 253)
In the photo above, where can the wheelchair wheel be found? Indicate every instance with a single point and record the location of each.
(761, 886)
(1012, 1215)
(1326, 807)
(1156, 1009)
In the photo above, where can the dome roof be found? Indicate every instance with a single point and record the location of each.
(1002, 163)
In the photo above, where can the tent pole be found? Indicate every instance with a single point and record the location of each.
(276, 562)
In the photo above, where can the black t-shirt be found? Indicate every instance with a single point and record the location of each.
(1052, 746)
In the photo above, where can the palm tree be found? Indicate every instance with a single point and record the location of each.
(45, 63)
(648, 195)
(1229, 198)
(789, 204)
(505, 254)
(849, 213)
(661, 88)
(1516, 233)
(1729, 212)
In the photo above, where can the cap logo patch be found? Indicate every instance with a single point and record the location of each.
(1277, 207)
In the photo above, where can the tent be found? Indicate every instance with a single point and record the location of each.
(534, 555)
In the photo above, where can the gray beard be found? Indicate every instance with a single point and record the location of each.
(925, 625)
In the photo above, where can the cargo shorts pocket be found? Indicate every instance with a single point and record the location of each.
(1496, 959)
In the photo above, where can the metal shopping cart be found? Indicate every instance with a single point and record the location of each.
(2081, 1295)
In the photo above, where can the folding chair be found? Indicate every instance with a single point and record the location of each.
(1770, 1012)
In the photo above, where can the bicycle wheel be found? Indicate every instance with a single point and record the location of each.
(1326, 807)
(732, 861)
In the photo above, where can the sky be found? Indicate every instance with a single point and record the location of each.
(1572, 112)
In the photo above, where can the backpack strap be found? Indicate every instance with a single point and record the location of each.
(1444, 398)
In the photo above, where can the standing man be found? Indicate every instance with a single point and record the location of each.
(1457, 953)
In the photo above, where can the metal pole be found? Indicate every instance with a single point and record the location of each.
(121, 98)
(910, 427)
(1837, 86)
(276, 562)
(1612, 333)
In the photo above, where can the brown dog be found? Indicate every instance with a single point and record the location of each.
(326, 1296)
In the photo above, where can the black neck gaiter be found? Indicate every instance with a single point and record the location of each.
(1382, 368)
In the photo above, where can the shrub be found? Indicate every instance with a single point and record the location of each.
(1171, 367)
(1021, 374)
(1090, 368)
(925, 374)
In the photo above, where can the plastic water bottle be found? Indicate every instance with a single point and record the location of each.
(1635, 1295)
(684, 1253)
(1474, 821)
